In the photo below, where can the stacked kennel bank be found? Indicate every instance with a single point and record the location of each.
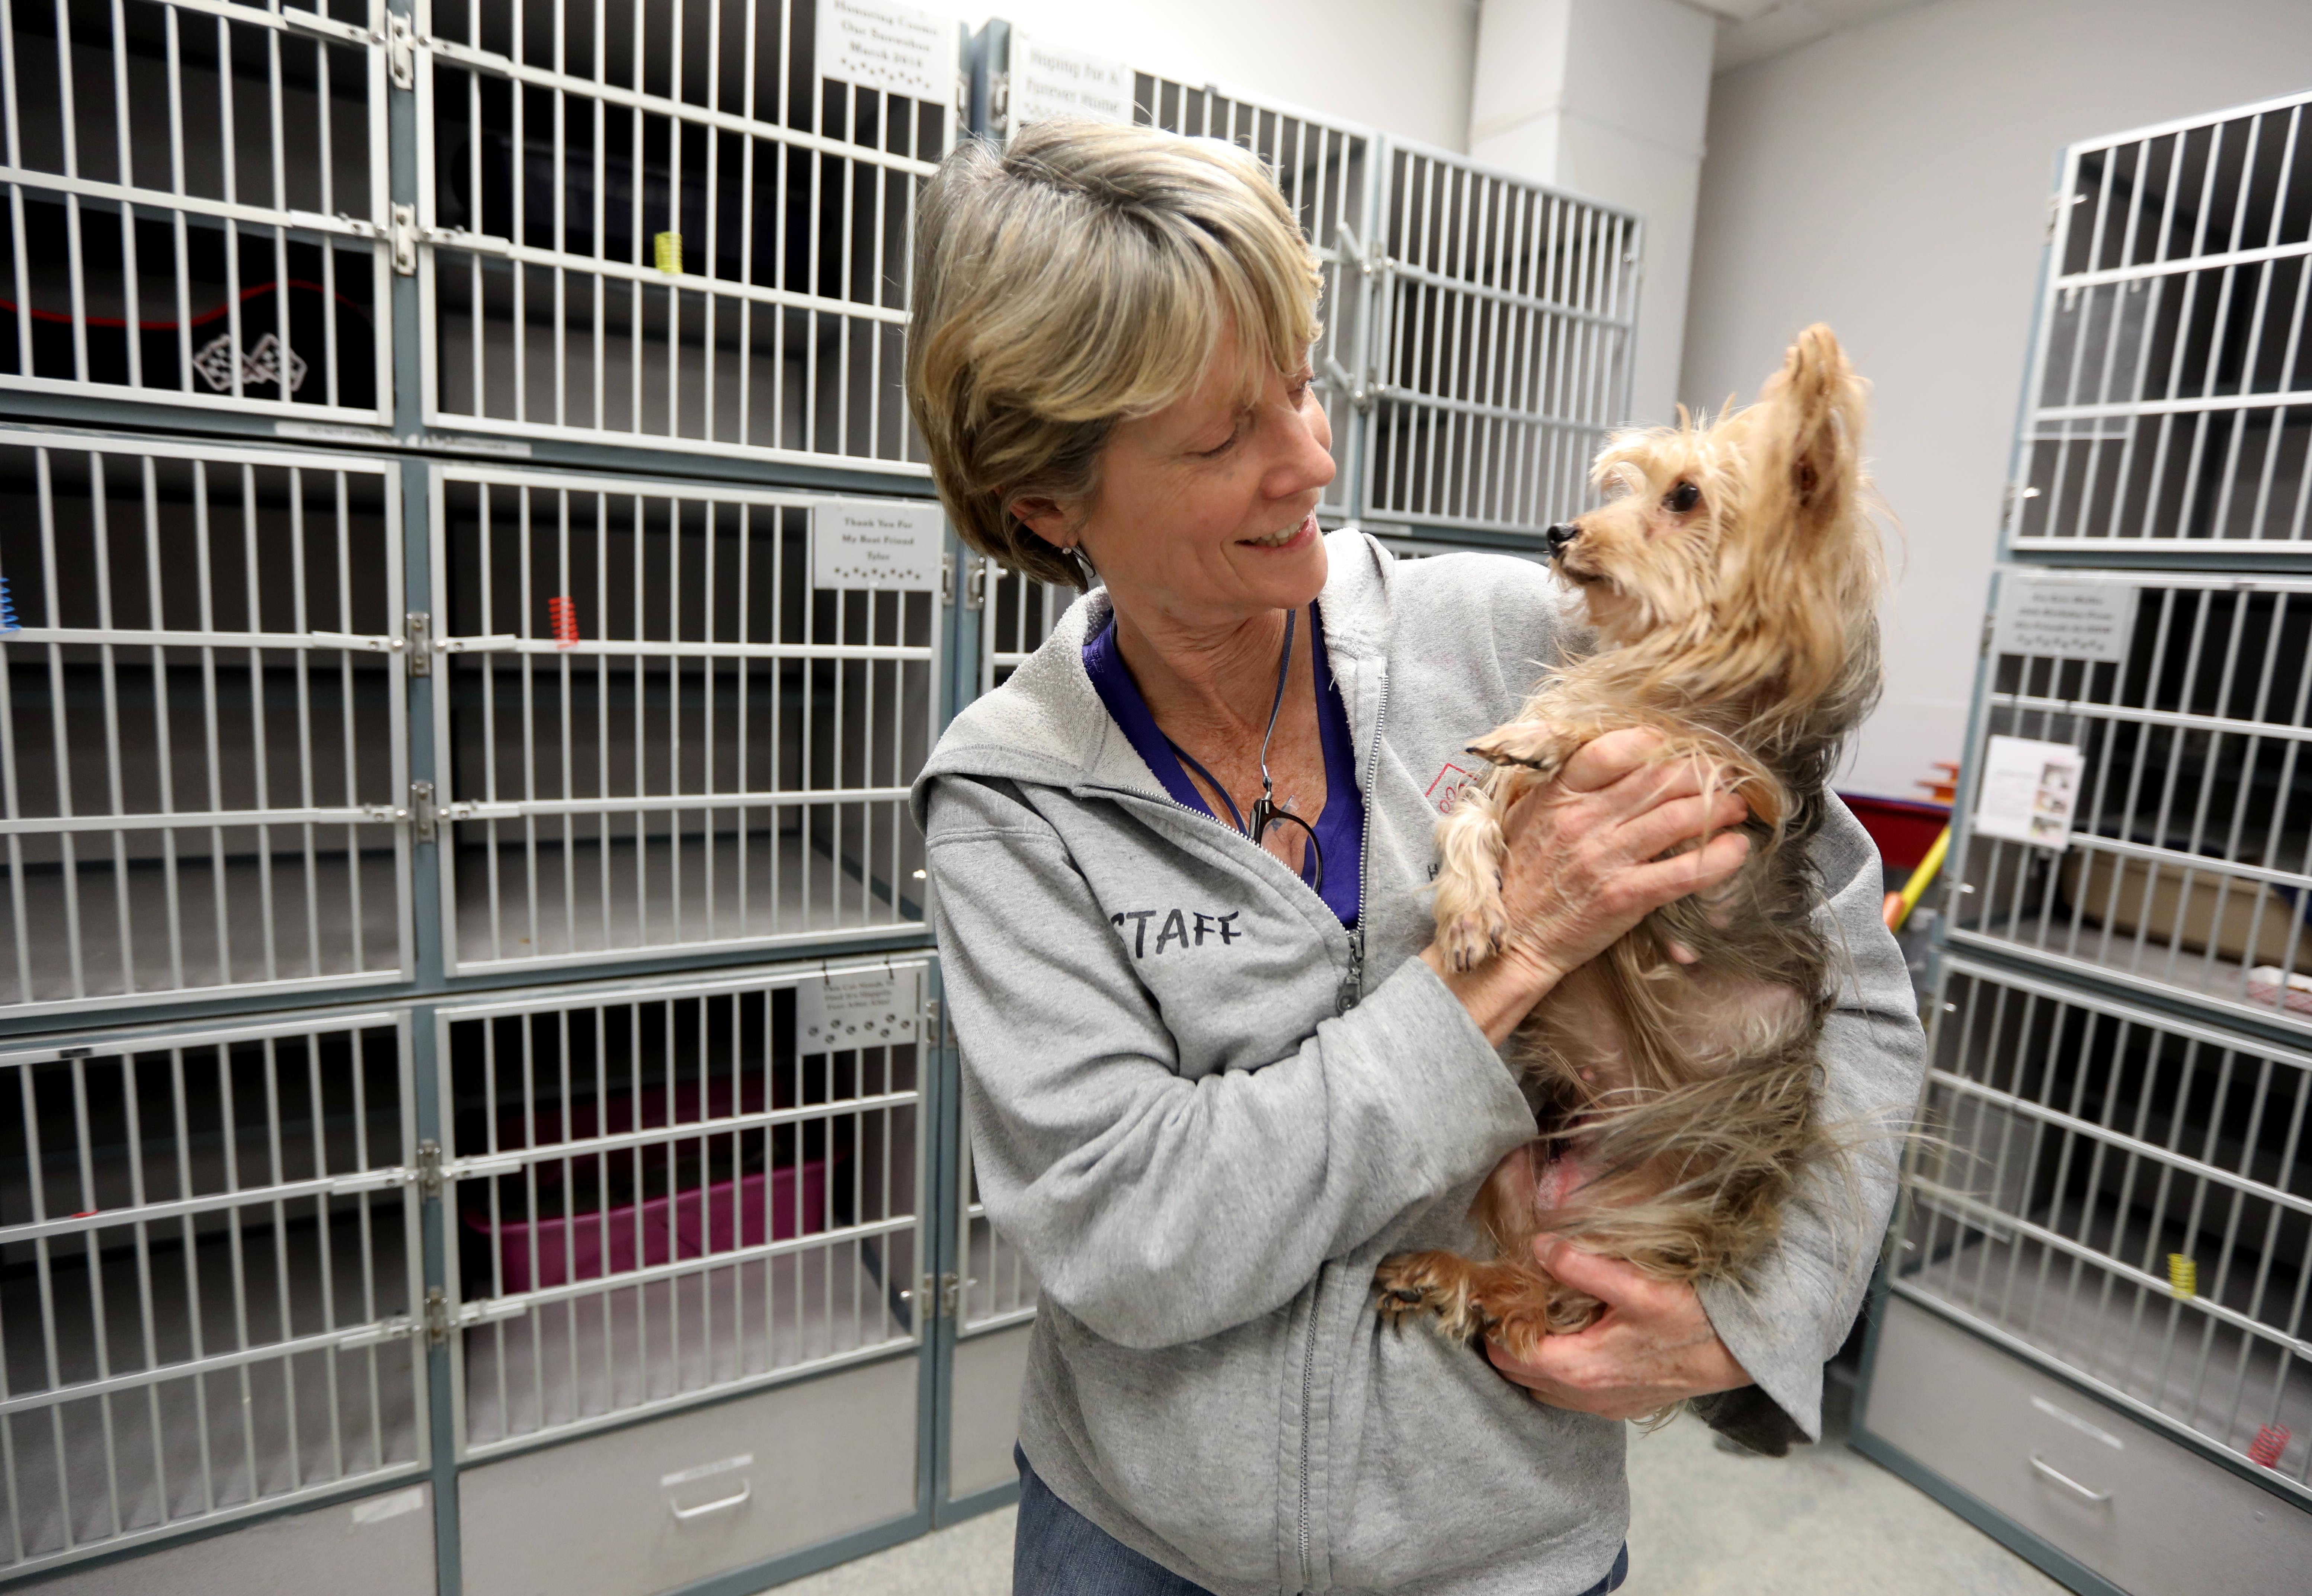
(2095, 1343)
(472, 1092)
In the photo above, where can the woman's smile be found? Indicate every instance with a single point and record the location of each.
(1299, 534)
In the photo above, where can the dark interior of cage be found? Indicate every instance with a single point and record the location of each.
(2205, 797)
(142, 1268)
(560, 170)
(155, 297)
(2221, 333)
(686, 1154)
(1526, 387)
(2106, 1151)
(94, 730)
(765, 745)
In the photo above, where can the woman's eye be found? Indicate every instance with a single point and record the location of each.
(1681, 498)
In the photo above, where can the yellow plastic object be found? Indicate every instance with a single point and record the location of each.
(1899, 904)
(2183, 1275)
(666, 252)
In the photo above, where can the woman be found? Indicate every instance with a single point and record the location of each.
(1214, 1070)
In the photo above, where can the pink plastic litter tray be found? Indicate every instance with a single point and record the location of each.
(713, 1219)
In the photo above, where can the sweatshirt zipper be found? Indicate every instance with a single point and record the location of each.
(1352, 990)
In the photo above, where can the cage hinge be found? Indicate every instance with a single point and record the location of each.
(946, 579)
(417, 638)
(1351, 248)
(975, 584)
(1990, 629)
(999, 101)
(422, 812)
(403, 232)
(400, 51)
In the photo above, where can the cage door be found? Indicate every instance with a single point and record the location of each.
(671, 226)
(2126, 1197)
(196, 198)
(211, 1302)
(203, 741)
(1502, 342)
(678, 718)
(659, 1193)
(2169, 405)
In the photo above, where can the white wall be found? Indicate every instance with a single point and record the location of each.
(1552, 100)
(1400, 65)
(1893, 181)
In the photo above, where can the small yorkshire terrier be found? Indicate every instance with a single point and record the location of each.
(1732, 581)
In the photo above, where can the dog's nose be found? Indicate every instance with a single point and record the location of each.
(1560, 535)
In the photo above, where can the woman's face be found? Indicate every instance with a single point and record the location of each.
(1205, 514)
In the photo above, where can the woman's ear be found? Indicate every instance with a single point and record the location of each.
(1044, 517)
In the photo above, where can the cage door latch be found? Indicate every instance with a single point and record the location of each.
(441, 1319)
(975, 584)
(432, 1168)
(400, 51)
(418, 640)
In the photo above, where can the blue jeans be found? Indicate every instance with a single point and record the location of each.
(1058, 1551)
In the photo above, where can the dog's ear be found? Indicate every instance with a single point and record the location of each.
(1809, 468)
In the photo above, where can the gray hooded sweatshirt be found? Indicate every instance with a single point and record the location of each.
(1203, 1111)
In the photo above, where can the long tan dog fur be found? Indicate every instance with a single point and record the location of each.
(1731, 583)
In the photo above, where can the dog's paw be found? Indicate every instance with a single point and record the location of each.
(1433, 1283)
(1470, 938)
(1536, 745)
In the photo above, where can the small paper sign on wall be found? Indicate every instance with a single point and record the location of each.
(876, 545)
(878, 44)
(2029, 792)
(1050, 80)
(2055, 618)
(858, 1008)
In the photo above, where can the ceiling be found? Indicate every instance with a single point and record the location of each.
(1752, 31)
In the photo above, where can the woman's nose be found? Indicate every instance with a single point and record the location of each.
(1306, 456)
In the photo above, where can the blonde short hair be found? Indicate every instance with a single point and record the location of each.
(1081, 277)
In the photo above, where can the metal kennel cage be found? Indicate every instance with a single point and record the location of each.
(664, 731)
(676, 226)
(209, 1277)
(204, 742)
(2101, 1254)
(672, 1191)
(2170, 405)
(197, 205)
(1504, 315)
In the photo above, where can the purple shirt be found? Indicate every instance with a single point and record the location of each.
(1340, 829)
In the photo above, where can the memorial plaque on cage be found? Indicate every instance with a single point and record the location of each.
(664, 732)
(663, 1193)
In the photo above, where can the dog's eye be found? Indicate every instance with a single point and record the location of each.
(1681, 498)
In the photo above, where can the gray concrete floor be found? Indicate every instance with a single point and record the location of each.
(1824, 1522)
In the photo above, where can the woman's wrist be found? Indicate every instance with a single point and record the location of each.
(1499, 992)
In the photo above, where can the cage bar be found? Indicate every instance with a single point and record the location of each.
(997, 1288)
(577, 153)
(673, 1191)
(1020, 612)
(196, 203)
(2169, 408)
(203, 752)
(208, 1270)
(721, 757)
(1501, 344)
(2075, 1148)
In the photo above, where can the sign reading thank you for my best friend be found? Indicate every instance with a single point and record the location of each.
(876, 544)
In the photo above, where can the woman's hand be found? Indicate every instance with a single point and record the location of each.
(1653, 1346)
(1585, 863)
